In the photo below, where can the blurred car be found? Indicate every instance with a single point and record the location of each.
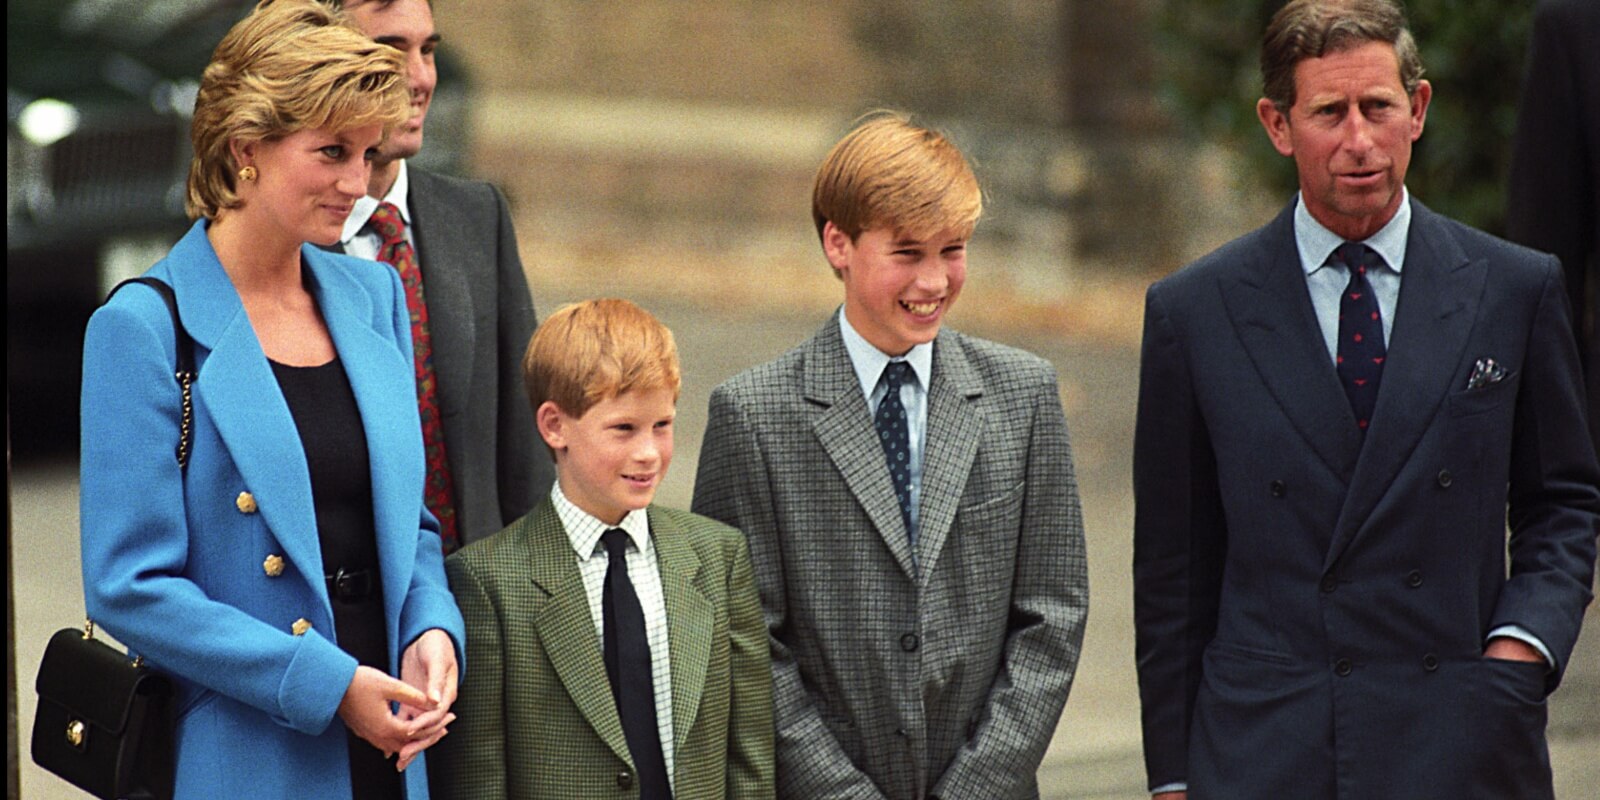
(99, 95)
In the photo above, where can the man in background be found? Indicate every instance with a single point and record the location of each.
(452, 241)
(1554, 200)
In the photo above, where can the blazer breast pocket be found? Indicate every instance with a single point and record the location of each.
(990, 513)
(1469, 402)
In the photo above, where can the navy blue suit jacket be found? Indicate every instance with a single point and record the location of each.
(1311, 610)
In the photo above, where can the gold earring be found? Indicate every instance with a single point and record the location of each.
(247, 173)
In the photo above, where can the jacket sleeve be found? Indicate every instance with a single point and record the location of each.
(523, 465)
(470, 762)
(135, 536)
(1554, 492)
(1551, 189)
(1049, 607)
(731, 486)
(1179, 545)
(750, 742)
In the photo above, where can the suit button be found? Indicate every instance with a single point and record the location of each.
(300, 626)
(1329, 583)
(909, 642)
(1343, 667)
(1278, 488)
(1445, 479)
(245, 502)
(624, 779)
(273, 566)
(1430, 662)
(1414, 578)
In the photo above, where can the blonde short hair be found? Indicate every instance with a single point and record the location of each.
(291, 65)
(596, 350)
(888, 172)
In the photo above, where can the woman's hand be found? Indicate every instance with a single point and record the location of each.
(428, 665)
(365, 709)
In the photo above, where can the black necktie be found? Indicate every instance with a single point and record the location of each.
(1360, 350)
(627, 655)
(896, 438)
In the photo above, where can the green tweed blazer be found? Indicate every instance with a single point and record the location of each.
(535, 718)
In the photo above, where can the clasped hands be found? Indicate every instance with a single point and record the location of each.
(424, 693)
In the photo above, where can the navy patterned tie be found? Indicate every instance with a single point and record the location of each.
(1360, 351)
(896, 438)
(627, 657)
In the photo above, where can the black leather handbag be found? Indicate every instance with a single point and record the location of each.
(104, 721)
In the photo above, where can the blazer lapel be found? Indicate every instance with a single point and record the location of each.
(380, 378)
(690, 618)
(446, 291)
(566, 628)
(844, 428)
(237, 390)
(1439, 292)
(1272, 315)
(955, 426)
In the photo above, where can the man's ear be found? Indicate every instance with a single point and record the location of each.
(1277, 124)
(551, 422)
(1419, 108)
(837, 246)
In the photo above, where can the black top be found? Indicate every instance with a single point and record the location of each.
(325, 413)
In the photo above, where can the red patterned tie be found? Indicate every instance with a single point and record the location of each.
(438, 493)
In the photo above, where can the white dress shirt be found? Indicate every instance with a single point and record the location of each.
(584, 531)
(363, 242)
(869, 363)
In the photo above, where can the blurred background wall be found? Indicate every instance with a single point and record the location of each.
(655, 140)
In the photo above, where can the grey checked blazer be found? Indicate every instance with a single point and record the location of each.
(939, 675)
(480, 317)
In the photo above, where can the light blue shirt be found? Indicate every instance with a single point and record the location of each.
(869, 363)
(1327, 281)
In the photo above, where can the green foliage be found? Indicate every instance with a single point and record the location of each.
(1472, 51)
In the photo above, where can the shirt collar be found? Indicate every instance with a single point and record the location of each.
(1317, 243)
(398, 194)
(584, 529)
(869, 361)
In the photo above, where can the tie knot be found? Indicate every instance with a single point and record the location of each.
(895, 374)
(616, 542)
(388, 223)
(1355, 255)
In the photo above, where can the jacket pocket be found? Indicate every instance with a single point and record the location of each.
(1470, 402)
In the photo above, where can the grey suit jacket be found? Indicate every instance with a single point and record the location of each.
(480, 317)
(936, 675)
(1312, 608)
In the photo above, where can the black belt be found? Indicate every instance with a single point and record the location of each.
(349, 584)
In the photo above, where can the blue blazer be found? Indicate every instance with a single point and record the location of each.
(181, 568)
(1311, 610)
